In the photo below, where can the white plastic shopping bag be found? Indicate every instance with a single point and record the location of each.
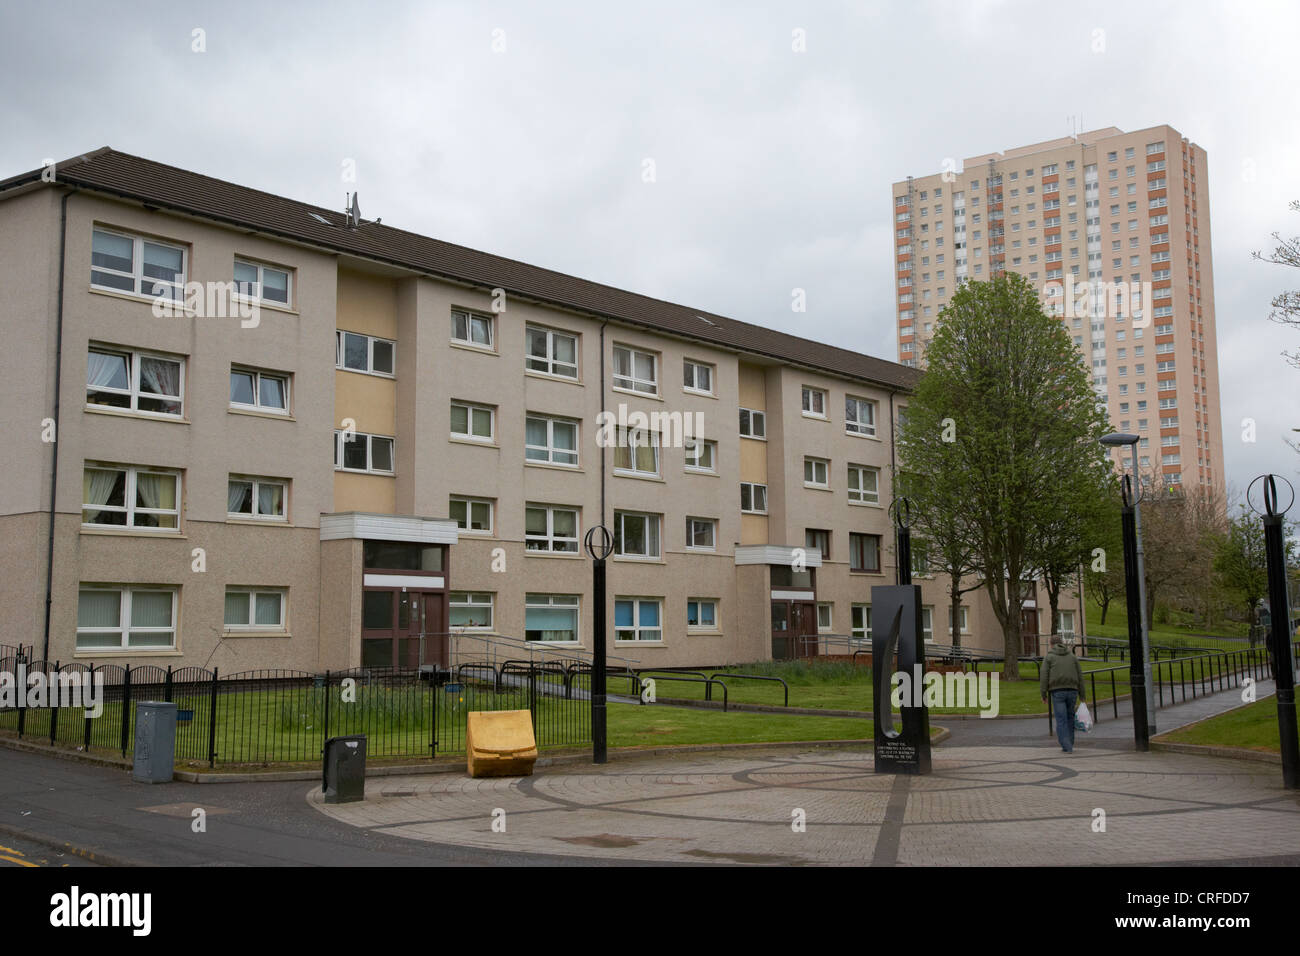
(1083, 718)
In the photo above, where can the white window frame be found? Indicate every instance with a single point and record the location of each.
(124, 619)
(965, 619)
(469, 600)
(484, 321)
(129, 507)
(469, 514)
(257, 294)
(829, 608)
(651, 520)
(256, 482)
(551, 362)
(369, 439)
(927, 629)
(693, 449)
(637, 627)
(825, 464)
(633, 382)
(252, 594)
(858, 495)
(756, 417)
(644, 439)
(340, 350)
(699, 602)
(864, 632)
(691, 376)
(554, 543)
(810, 394)
(550, 447)
(258, 375)
(567, 602)
(751, 510)
(711, 524)
(470, 409)
(855, 425)
(137, 265)
(134, 358)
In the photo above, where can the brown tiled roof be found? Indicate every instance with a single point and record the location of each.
(131, 177)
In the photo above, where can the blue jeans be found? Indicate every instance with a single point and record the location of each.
(1063, 704)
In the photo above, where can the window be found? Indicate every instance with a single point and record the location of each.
(965, 628)
(864, 485)
(636, 535)
(471, 610)
(859, 416)
(814, 402)
(819, 539)
(697, 377)
(467, 328)
(638, 619)
(636, 371)
(472, 515)
(920, 558)
(551, 617)
(263, 391)
(550, 528)
(825, 616)
(1064, 622)
(816, 472)
(137, 265)
(753, 424)
(864, 552)
(927, 623)
(263, 498)
(263, 283)
(702, 614)
(701, 534)
(701, 455)
(637, 452)
(473, 422)
(551, 441)
(363, 452)
(254, 610)
(753, 498)
(110, 619)
(130, 497)
(135, 381)
(551, 352)
(363, 353)
(861, 623)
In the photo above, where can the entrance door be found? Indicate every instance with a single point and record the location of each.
(1029, 631)
(393, 624)
(794, 630)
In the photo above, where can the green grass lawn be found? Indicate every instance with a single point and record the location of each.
(1181, 631)
(1253, 727)
(657, 725)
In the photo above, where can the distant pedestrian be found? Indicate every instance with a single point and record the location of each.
(1061, 676)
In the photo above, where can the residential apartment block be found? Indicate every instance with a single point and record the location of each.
(249, 432)
(1119, 214)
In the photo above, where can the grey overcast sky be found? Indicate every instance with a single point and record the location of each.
(524, 128)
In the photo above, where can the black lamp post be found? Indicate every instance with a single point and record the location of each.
(599, 544)
(1280, 628)
(1135, 592)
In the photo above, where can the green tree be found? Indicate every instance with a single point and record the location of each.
(1239, 561)
(1002, 415)
(1066, 538)
(1103, 565)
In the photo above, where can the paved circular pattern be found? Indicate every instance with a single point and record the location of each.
(984, 805)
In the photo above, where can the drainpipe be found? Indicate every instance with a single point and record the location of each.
(54, 463)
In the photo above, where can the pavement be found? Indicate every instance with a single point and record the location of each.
(1001, 792)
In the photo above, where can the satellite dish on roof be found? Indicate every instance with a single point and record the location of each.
(354, 211)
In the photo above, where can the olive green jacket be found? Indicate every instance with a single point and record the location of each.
(1060, 671)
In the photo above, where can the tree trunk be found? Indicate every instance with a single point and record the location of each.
(1105, 605)
(1011, 648)
(956, 611)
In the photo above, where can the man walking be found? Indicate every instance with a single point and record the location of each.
(1061, 676)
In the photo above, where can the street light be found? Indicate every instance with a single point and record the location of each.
(1137, 562)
